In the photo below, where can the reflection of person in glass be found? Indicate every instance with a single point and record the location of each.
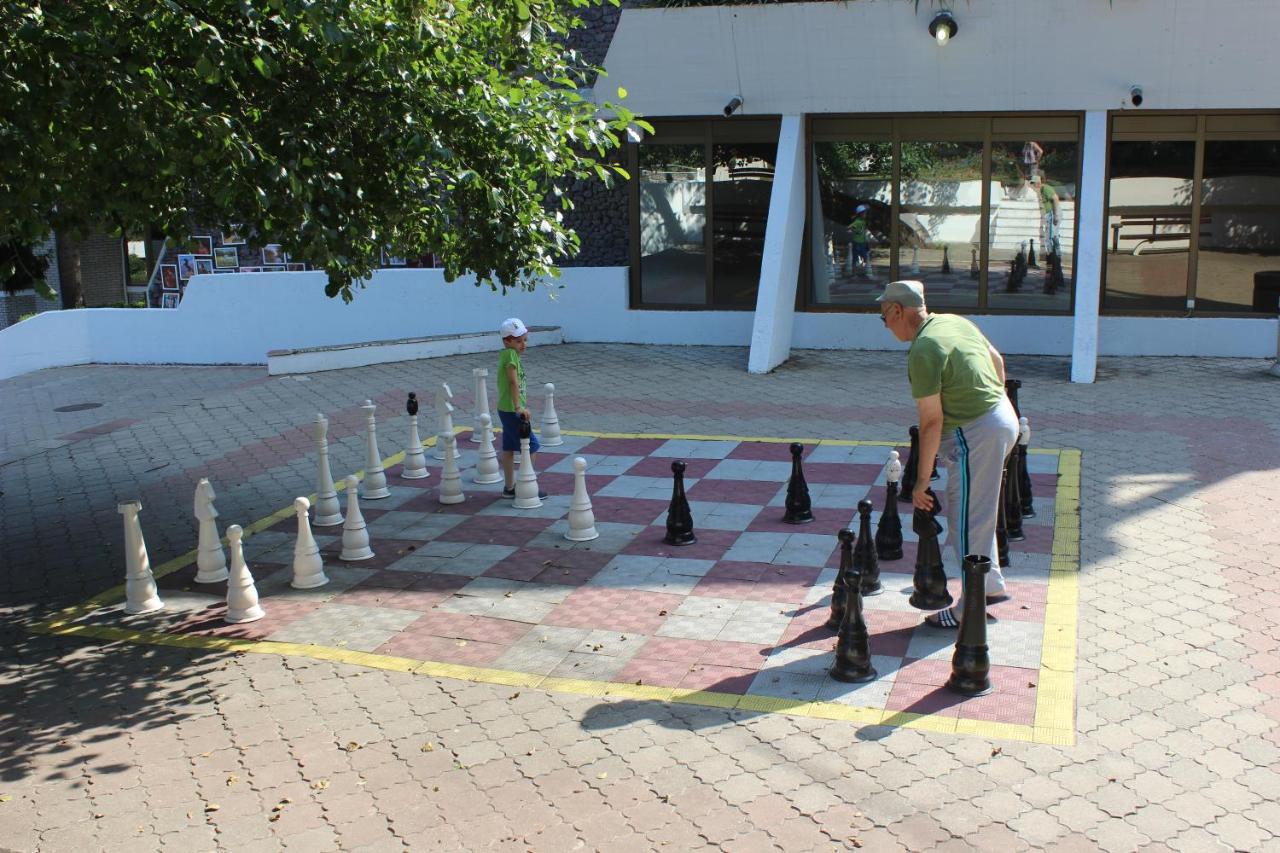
(1031, 154)
(1049, 213)
(859, 240)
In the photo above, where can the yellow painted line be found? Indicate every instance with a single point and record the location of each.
(705, 697)
(773, 704)
(924, 722)
(640, 691)
(580, 686)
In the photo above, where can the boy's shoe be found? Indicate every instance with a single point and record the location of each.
(511, 493)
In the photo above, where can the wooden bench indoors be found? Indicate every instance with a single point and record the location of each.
(1155, 221)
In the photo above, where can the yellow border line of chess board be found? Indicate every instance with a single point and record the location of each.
(1055, 690)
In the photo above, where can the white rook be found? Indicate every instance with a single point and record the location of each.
(308, 567)
(242, 594)
(211, 562)
(582, 521)
(482, 401)
(375, 479)
(550, 421)
(328, 510)
(141, 595)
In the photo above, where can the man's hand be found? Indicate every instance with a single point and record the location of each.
(524, 413)
(920, 497)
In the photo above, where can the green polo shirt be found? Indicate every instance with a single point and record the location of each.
(949, 356)
(505, 403)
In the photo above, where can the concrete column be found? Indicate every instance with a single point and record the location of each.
(780, 267)
(1091, 243)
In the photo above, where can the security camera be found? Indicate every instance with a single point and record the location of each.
(735, 104)
(1135, 95)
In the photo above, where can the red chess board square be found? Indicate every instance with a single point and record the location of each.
(570, 567)
(653, 671)
(711, 544)
(904, 566)
(623, 447)
(676, 649)
(840, 472)
(659, 467)
(768, 451)
(739, 655)
(423, 646)
(1039, 539)
(429, 502)
(209, 621)
(733, 491)
(923, 699)
(923, 681)
(555, 483)
(497, 529)
(771, 583)
(627, 510)
(1026, 603)
(622, 610)
(891, 631)
(718, 679)
(403, 590)
(394, 478)
(385, 552)
(808, 629)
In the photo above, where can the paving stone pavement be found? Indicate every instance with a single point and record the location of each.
(116, 746)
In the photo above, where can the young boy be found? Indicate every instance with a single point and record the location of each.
(860, 245)
(513, 405)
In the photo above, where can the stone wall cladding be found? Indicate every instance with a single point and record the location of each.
(16, 305)
(101, 268)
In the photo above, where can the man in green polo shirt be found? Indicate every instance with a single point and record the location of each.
(966, 421)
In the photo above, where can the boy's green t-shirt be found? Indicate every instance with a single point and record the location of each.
(949, 356)
(1046, 198)
(510, 356)
(858, 230)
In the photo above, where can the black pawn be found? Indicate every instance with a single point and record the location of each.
(1002, 531)
(799, 507)
(837, 589)
(853, 652)
(946, 261)
(1031, 257)
(679, 518)
(971, 661)
(865, 562)
(1011, 387)
(889, 529)
(412, 405)
(910, 470)
(1024, 483)
(1012, 501)
(973, 265)
(930, 579)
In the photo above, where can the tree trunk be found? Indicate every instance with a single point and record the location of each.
(72, 289)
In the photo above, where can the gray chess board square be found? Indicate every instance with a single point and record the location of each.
(534, 659)
(806, 549)
(470, 560)
(430, 525)
(391, 523)
(799, 661)
(553, 506)
(186, 601)
(588, 666)
(553, 637)
(802, 688)
(692, 627)
(860, 455)
(611, 644)
(342, 577)
(757, 547)
(1010, 643)
(347, 625)
(757, 622)
(283, 553)
(572, 444)
(1042, 463)
(893, 597)
(614, 536)
(827, 495)
(624, 570)
(598, 465)
(648, 488)
(751, 469)
(820, 592)
(872, 694)
(399, 495)
(685, 448)
(706, 607)
(1029, 568)
(720, 516)
(505, 588)
(256, 545)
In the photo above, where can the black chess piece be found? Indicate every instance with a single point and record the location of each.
(1002, 534)
(799, 507)
(930, 578)
(889, 528)
(946, 261)
(1024, 483)
(1054, 280)
(1031, 257)
(1011, 387)
(973, 265)
(910, 470)
(842, 574)
(411, 406)
(526, 431)
(1011, 283)
(679, 517)
(865, 562)
(1012, 500)
(971, 661)
(853, 652)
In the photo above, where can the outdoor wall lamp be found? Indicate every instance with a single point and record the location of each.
(943, 27)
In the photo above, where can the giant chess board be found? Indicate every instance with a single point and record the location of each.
(486, 592)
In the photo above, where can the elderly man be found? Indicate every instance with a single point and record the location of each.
(957, 380)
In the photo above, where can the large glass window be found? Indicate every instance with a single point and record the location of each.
(1240, 216)
(743, 183)
(673, 219)
(851, 206)
(940, 220)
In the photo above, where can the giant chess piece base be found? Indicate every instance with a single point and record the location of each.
(971, 661)
(853, 654)
(930, 580)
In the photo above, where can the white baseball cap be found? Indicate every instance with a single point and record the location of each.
(512, 327)
(862, 208)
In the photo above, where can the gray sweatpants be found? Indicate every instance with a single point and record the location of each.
(974, 456)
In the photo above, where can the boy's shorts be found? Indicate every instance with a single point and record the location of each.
(511, 433)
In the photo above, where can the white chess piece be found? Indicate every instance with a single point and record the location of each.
(487, 468)
(893, 471)
(211, 562)
(141, 595)
(242, 595)
(482, 401)
(375, 478)
(450, 478)
(550, 421)
(1024, 431)
(355, 534)
(308, 567)
(328, 510)
(444, 416)
(526, 480)
(415, 461)
(582, 521)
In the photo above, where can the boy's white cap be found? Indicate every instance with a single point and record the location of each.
(862, 208)
(512, 327)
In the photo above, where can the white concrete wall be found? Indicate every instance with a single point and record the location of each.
(877, 56)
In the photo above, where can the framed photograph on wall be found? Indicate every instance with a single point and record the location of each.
(201, 245)
(169, 300)
(296, 267)
(226, 258)
(186, 266)
(233, 236)
(273, 255)
(168, 277)
(204, 266)
(250, 269)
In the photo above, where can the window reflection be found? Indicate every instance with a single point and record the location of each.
(673, 192)
(851, 201)
(940, 220)
(1240, 231)
(740, 203)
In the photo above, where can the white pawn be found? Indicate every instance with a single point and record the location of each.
(526, 480)
(308, 568)
(482, 402)
(355, 534)
(1024, 431)
(211, 562)
(487, 468)
(375, 479)
(444, 415)
(915, 261)
(582, 521)
(415, 461)
(141, 595)
(550, 421)
(450, 478)
(242, 595)
(328, 510)
(893, 472)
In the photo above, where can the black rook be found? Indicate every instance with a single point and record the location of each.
(930, 580)
(853, 652)
(799, 507)
(679, 518)
(911, 469)
(971, 661)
